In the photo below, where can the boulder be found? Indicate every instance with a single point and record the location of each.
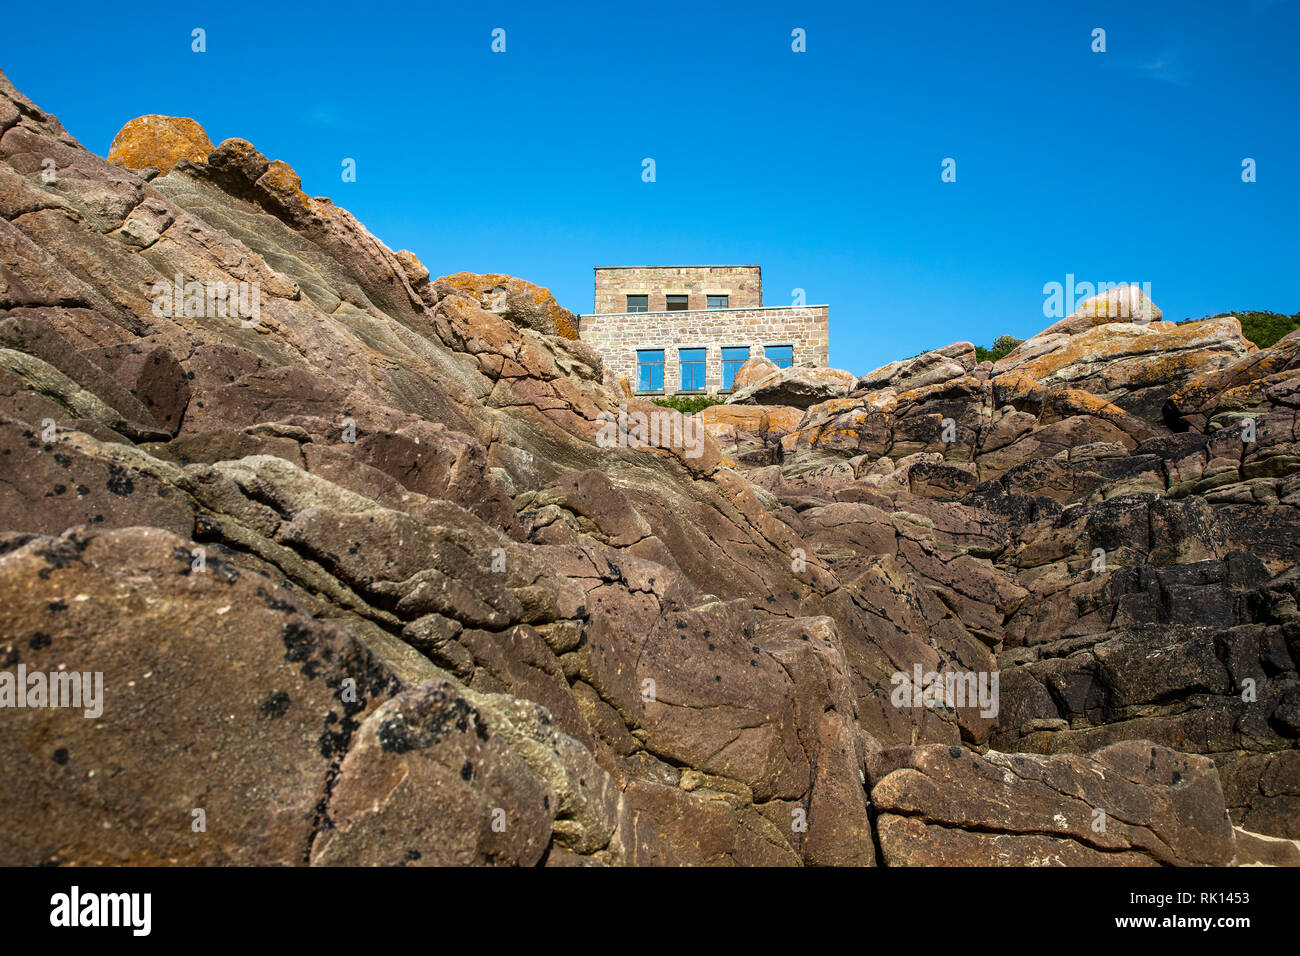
(799, 386)
(734, 425)
(1136, 365)
(928, 368)
(160, 142)
(755, 369)
(1126, 303)
(521, 302)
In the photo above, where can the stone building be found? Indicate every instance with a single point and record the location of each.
(687, 329)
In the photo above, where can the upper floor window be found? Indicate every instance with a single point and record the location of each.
(718, 301)
(732, 360)
(782, 355)
(650, 370)
(638, 303)
(692, 365)
(678, 303)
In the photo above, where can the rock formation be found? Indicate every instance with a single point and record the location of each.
(366, 586)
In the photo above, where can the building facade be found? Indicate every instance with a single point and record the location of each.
(673, 330)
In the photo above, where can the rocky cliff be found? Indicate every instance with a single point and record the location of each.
(365, 584)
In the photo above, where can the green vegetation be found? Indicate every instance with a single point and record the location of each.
(1262, 328)
(688, 404)
(1002, 345)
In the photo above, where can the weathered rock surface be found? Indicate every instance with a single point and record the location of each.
(928, 368)
(755, 369)
(799, 386)
(159, 142)
(1130, 804)
(749, 430)
(365, 588)
(527, 304)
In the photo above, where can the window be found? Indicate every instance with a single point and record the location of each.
(677, 303)
(638, 303)
(732, 360)
(718, 301)
(782, 355)
(650, 370)
(692, 362)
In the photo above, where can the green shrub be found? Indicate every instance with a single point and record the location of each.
(1265, 328)
(1002, 345)
(688, 404)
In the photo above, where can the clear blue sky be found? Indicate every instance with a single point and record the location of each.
(823, 167)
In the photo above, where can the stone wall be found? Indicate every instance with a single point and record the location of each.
(743, 284)
(618, 336)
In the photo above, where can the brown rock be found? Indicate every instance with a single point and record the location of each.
(1133, 804)
(255, 758)
(522, 302)
(159, 141)
(431, 781)
(799, 386)
(755, 369)
(675, 658)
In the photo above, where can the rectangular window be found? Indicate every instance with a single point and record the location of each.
(782, 355)
(638, 303)
(732, 360)
(650, 370)
(677, 303)
(692, 362)
(718, 301)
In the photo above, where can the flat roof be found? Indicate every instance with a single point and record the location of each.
(688, 266)
(753, 308)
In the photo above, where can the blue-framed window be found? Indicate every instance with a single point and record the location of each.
(692, 364)
(717, 301)
(677, 303)
(732, 360)
(650, 370)
(782, 355)
(638, 303)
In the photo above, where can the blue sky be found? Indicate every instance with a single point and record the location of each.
(823, 167)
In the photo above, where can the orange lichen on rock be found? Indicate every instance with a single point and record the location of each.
(416, 271)
(733, 423)
(730, 424)
(517, 299)
(968, 383)
(159, 141)
(782, 420)
(732, 415)
(1111, 342)
(280, 178)
(834, 406)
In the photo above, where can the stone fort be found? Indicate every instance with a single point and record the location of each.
(672, 330)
